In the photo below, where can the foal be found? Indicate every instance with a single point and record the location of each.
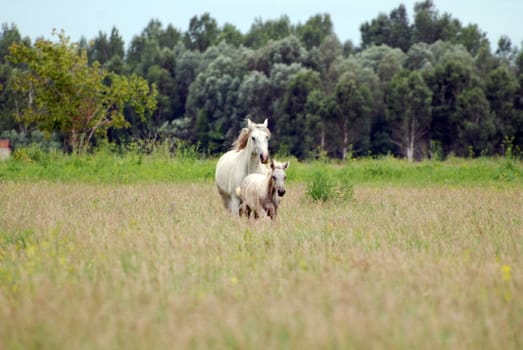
(262, 193)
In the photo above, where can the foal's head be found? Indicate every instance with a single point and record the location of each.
(278, 177)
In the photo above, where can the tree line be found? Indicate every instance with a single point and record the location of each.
(429, 87)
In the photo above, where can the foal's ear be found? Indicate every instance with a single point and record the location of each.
(272, 164)
(266, 122)
(286, 165)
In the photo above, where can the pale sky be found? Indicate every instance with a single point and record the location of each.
(37, 18)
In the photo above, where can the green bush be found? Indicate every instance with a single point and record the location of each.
(320, 187)
(31, 153)
(326, 186)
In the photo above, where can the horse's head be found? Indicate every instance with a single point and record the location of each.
(258, 142)
(278, 176)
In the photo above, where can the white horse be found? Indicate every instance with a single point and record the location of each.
(249, 154)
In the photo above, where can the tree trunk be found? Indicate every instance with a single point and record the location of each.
(345, 141)
(411, 140)
(322, 139)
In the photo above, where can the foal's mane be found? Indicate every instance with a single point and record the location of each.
(243, 138)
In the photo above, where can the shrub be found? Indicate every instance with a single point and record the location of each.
(320, 187)
(31, 153)
(325, 186)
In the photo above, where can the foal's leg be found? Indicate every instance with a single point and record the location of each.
(242, 209)
(271, 211)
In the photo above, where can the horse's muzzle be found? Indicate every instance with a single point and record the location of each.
(264, 158)
(281, 193)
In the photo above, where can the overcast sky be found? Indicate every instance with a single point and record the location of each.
(37, 18)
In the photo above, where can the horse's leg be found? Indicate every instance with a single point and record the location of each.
(234, 205)
(226, 202)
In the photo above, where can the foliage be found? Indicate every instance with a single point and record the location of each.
(323, 186)
(25, 138)
(69, 96)
(320, 95)
(409, 104)
(320, 187)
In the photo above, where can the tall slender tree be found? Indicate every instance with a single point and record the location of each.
(409, 112)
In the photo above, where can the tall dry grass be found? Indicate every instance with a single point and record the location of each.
(162, 266)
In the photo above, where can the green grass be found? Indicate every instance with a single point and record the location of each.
(129, 168)
(107, 168)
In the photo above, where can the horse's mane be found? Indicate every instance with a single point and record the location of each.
(243, 138)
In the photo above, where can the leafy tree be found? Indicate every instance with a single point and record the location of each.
(420, 57)
(261, 32)
(9, 35)
(501, 90)
(11, 101)
(292, 125)
(393, 30)
(375, 33)
(485, 61)
(231, 35)
(472, 38)
(319, 114)
(390, 64)
(288, 50)
(400, 29)
(255, 96)
(353, 107)
(169, 38)
(409, 111)
(279, 78)
(505, 50)
(314, 31)
(203, 32)
(67, 95)
(476, 127)
(212, 103)
(447, 81)
(103, 49)
(375, 56)
(349, 48)
(324, 59)
(430, 26)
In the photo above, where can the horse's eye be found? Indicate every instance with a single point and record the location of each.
(252, 137)
(273, 177)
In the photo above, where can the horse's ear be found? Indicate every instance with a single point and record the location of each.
(266, 122)
(250, 124)
(286, 165)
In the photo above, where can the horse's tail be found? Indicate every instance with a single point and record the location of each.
(238, 191)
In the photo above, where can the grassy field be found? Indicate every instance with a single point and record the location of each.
(147, 262)
(130, 168)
